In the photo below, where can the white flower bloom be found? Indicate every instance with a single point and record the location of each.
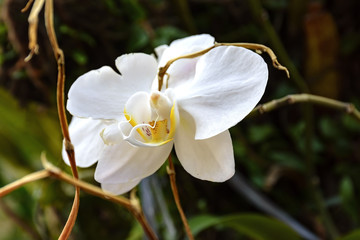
(129, 127)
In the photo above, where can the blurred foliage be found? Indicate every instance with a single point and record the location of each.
(251, 225)
(322, 39)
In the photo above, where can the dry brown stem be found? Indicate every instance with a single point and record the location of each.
(59, 56)
(171, 172)
(348, 108)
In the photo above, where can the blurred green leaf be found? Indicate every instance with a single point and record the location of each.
(351, 123)
(28, 132)
(346, 189)
(328, 128)
(135, 10)
(252, 225)
(77, 34)
(166, 34)
(260, 133)
(287, 159)
(347, 194)
(138, 39)
(355, 235)
(80, 57)
(136, 232)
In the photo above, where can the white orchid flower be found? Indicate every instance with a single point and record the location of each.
(123, 122)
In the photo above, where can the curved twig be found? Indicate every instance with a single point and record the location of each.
(348, 108)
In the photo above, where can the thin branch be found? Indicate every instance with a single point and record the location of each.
(59, 56)
(28, 4)
(33, 26)
(348, 108)
(131, 205)
(22, 181)
(93, 190)
(259, 48)
(171, 172)
(52, 171)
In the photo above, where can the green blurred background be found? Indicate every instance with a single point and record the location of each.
(303, 159)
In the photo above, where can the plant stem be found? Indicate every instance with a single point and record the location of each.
(171, 172)
(348, 108)
(52, 171)
(96, 191)
(311, 176)
(59, 57)
(22, 181)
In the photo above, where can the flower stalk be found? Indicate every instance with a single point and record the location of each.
(171, 172)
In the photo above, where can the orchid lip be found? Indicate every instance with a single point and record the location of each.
(157, 130)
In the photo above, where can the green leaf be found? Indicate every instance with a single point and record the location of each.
(27, 132)
(255, 226)
(346, 189)
(136, 232)
(287, 159)
(260, 133)
(355, 235)
(166, 34)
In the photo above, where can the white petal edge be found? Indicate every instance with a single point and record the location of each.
(189, 44)
(210, 159)
(123, 162)
(119, 188)
(183, 69)
(228, 83)
(138, 69)
(159, 50)
(85, 136)
(102, 93)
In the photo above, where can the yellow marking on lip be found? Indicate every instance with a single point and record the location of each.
(172, 122)
(133, 123)
(159, 131)
(160, 134)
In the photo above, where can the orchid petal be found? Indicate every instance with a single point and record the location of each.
(211, 159)
(159, 50)
(138, 69)
(228, 83)
(138, 109)
(183, 69)
(112, 134)
(119, 188)
(123, 162)
(192, 43)
(102, 93)
(85, 137)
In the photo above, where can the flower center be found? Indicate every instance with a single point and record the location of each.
(153, 117)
